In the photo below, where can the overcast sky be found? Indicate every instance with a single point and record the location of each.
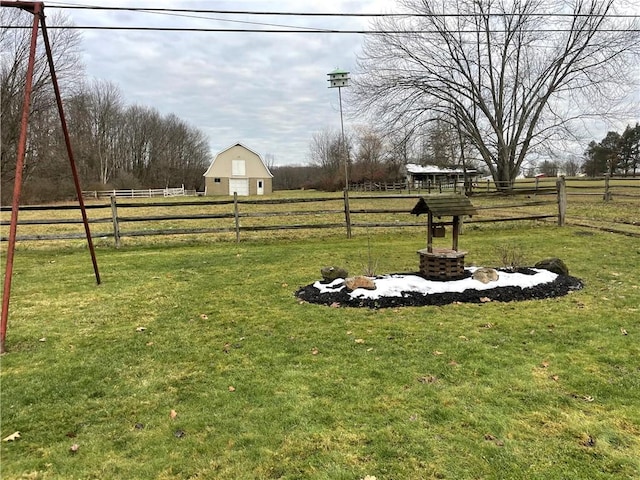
(268, 91)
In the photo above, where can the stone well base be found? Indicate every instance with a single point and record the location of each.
(442, 263)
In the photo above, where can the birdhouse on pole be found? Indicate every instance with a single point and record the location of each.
(338, 78)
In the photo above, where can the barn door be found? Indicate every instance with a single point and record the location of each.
(239, 186)
(260, 187)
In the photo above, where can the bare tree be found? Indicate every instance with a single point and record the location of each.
(571, 167)
(326, 153)
(44, 122)
(270, 161)
(369, 161)
(508, 74)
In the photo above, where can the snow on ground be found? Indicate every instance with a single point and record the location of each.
(397, 285)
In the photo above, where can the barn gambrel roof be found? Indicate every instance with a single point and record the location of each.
(238, 144)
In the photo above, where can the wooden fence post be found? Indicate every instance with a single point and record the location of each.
(236, 215)
(561, 187)
(347, 213)
(607, 192)
(116, 224)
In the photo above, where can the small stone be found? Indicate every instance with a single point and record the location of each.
(352, 283)
(329, 274)
(485, 275)
(554, 265)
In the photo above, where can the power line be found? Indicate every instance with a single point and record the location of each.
(296, 30)
(324, 14)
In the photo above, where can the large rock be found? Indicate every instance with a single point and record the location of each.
(329, 274)
(352, 283)
(554, 265)
(485, 275)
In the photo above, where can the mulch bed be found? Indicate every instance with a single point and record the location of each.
(562, 285)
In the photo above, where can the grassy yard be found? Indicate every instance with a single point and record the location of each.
(195, 360)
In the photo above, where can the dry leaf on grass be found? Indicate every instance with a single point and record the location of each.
(588, 441)
(140, 329)
(12, 438)
(359, 340)
(315, 351)
(490, 438)
(232, 388)
(428, 379)
(623, 331)
(555, 378)
(204, 316)
(74, 448)
(173, 414)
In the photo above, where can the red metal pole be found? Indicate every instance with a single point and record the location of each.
(67, 141)
(22, 144)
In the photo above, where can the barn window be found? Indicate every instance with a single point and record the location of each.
(238, 168)
(216, 180)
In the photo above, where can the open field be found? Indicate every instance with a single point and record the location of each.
(263, 386)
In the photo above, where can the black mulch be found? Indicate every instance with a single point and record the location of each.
(562, 285)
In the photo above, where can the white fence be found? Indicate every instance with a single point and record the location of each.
(142, 193)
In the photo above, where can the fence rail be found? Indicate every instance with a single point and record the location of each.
(236, 216)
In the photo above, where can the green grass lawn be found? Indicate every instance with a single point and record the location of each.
(266, 387)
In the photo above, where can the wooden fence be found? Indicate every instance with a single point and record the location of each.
(605, 187)
(545, 199)
(140, 193)
(234, 217)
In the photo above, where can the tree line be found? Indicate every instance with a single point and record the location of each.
(115, 145)
(492, 86)
(615, 153)
(378, 155)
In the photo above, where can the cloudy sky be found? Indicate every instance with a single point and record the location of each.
(266, 90)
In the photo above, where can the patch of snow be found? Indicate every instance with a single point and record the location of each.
(394, 285)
